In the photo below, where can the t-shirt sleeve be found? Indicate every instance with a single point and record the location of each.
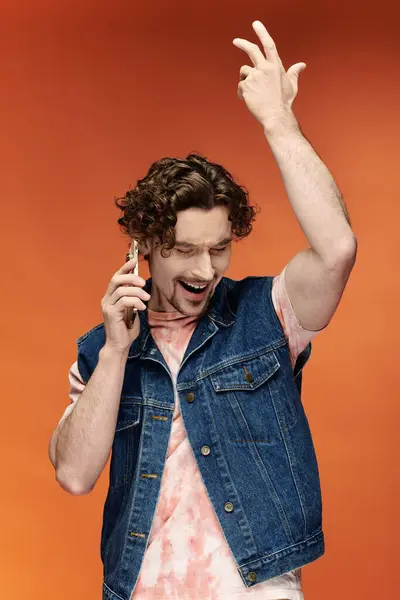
(297, 336)
(76, 387)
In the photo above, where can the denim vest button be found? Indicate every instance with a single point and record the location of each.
(228, 506)
(249, 378)
(252, 576)
(190, 397)
(205, 450)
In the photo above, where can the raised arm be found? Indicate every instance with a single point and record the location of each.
(316, 276)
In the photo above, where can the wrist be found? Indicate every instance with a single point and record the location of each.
(109, 353)
(280, 124)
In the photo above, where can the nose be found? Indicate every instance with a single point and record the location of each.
(203, 269)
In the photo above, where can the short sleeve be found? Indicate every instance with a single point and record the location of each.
(76, 387)
(297, 336)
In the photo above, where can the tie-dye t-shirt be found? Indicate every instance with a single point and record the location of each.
(187, 556)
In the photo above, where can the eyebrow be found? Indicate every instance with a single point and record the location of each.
(188, 245)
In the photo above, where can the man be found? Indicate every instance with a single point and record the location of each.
(214, 487)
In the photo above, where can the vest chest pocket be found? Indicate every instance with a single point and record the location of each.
(129, 413)
(247, 374)
(257, 393)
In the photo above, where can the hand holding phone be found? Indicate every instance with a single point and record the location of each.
(124, 297)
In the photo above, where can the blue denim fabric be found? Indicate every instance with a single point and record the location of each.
(240, 396)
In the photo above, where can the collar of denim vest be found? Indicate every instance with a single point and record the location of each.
(219, 312)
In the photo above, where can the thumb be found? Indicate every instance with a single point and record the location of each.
(294, 72)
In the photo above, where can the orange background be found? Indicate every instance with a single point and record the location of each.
(92, 93)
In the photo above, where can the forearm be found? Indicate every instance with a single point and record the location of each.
(312, 191)
(85, 439)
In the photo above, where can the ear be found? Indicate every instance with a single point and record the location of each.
(144, 247)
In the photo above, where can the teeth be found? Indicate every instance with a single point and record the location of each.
(196, 287)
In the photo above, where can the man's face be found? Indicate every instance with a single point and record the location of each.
(199, 258)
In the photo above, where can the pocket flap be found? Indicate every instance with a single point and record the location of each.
(129, 413)
(246, 374)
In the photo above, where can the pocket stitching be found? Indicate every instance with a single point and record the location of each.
(126, 424)
(270, 370)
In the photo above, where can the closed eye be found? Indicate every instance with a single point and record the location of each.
(219, 249)
(191, 250)
(184, 251)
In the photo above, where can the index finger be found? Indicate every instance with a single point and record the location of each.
(128, 266)
(115, 280)
(267, 43)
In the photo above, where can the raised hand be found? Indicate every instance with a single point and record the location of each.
(267, 89)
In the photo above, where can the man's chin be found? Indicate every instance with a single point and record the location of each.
(193, 308)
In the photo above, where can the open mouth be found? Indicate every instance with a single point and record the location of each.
(192, 288)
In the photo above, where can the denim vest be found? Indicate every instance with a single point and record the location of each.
(240, 396)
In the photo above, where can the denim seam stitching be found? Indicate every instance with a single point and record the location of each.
(83, 337)
(243, 521)
(112, 592)
(269, 557)
(250, 386)
(266, 477)
(289, 455)
(236, 359)
(150, 402)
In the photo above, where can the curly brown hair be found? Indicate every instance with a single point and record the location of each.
(174, 184)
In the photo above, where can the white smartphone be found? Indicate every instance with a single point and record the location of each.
(133, 253)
